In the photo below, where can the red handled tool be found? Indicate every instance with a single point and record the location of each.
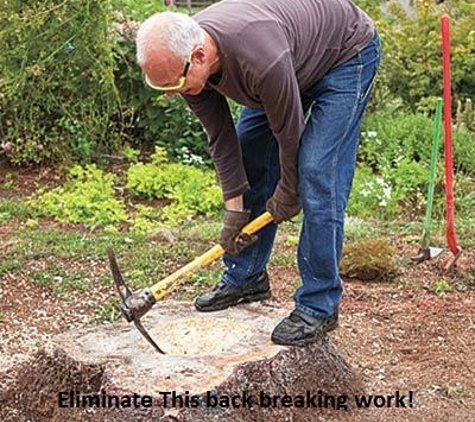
(448, 152)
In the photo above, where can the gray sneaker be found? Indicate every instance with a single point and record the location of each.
(299, 329)
(223, 296)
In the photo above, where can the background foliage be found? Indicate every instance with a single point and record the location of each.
(412, 69)
(71, 92)
(58, 99)
(89, 196)
(188, 190)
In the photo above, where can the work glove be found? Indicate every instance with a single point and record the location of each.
(283, 208)
(232, 240)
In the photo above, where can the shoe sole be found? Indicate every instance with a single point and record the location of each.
(224, 305)
(305, 341)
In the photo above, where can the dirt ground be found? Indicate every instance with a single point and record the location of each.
(398, 335)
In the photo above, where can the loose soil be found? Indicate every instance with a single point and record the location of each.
(398, 335)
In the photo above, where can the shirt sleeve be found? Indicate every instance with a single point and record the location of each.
(212, 110)
(280, 96)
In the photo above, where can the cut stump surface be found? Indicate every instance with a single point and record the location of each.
(220, 355)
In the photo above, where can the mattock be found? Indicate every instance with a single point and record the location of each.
(136, 304)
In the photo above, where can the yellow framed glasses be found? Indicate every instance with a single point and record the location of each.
(173, 87)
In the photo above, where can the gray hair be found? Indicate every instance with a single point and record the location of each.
(176, 31)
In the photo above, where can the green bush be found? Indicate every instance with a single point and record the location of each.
(139, 10)
(464, 151)
(87, 198)
(465, 115)
(409, 180)
(388, 138)
(394, 161)
(187, 190)
(145, 221)
(411, 68)
(398, 191)
(371, 196)
(464, 188)
(57, 86)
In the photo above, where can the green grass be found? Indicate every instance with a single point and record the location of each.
(357, 229)
(205, 230)
(8, 265)
(283, 259)
(62, 282)
(463, 281)
(107, 311)
(146, 260)
(67, 244)
(143, 262)
(18, 208)
(8, 182)
(200, 282)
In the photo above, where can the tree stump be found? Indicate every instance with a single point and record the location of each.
(218, 366)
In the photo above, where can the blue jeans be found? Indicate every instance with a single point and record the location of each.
(327, 157)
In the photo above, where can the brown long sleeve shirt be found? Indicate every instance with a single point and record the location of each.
(271, 52)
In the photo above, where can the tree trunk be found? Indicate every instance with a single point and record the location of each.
(218, 366)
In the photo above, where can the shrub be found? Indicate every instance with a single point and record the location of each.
(464, 195)
(57, 84)
(464, 151)
(189, 191)
(465, 115)
(397, 191)
(87, 198)
(371, 196)
(138, 9)
(369, 259)
(409, 180)
(388, 138)
(411, 69)
(145, 220)
(394, 160)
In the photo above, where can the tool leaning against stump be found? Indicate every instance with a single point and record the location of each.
(136, 304)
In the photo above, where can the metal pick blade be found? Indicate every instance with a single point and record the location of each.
(124, 293)
(142, 330)
(122, 289)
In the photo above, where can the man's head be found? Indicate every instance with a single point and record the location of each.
(174, 53)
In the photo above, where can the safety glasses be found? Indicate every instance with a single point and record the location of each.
(172, 87)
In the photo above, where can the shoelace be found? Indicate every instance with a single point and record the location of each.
(294, 317)
(219, 286)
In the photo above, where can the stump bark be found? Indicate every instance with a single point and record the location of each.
(218, 366)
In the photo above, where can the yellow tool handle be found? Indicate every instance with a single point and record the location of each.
(163, 287)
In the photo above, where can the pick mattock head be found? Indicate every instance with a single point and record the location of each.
(134, 305)
(426, 253)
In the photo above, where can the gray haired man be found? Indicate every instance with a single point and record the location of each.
(303, 70)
